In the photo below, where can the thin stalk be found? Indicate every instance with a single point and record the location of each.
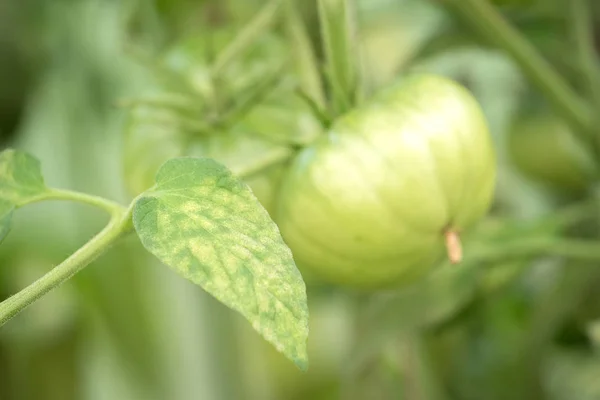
(482, 15)
(258, 92)
(583, 32)
(119, 225)
(307, 63)
(583, 250)
(315, 108)
(275, 157)
(109, 206)
(337, 32)
(246, 37)
(170, 102)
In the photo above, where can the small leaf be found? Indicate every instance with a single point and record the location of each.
(207, 225)
(6, 211)
(20, 177)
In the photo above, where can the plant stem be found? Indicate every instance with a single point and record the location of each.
(173, 101)
(247, 35)
(584, 250)
(337, 32)
(275, 157)
(109, 206)
(119, 225)
(307, 64)
(482, 15)
(583, 32)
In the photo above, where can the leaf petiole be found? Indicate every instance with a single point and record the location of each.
(111, 207)
(119, 225)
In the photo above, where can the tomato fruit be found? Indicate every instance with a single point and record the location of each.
(369, 204)
(543, 148)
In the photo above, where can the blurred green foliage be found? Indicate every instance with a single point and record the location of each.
(125, 328)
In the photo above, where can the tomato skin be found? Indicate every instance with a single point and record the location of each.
(543, 149)
(366, 206)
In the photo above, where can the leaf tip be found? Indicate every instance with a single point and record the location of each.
(302, 362)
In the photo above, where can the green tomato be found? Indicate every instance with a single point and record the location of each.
(543, 149)
(370, 203)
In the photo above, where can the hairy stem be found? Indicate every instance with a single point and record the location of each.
(119, 225)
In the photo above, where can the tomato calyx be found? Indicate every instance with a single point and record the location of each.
(453, 245)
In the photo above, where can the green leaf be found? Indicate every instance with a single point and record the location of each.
(6, 211)
(340, 52)
(207, 225)
(20, 177)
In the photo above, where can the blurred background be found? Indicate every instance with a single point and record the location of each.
(128, 328)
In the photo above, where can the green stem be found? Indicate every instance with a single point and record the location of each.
(255, 96)
(339, 47)
(246, 37)
(166, 101)
(584, 250)
(119, 225)
(583, 32)
(482, 15)
(109, 206)
(275, 157)
(315, 108)
(307, 64)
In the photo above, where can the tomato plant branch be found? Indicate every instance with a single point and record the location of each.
(482, 15)
(584, 250)
(583, 32)
(582, 25)
(270, 159)
(307, 64)
(119, 225)
(176, 101)
(109, 206)
(246, 36)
